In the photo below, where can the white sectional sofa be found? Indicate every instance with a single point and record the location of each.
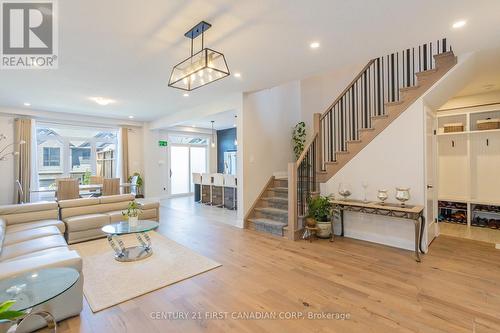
(31, 238)
(85, 217)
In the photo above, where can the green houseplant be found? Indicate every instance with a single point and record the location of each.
(139, 183)
(7, 314)
(299, 138)
(319, 209)
(132, 212)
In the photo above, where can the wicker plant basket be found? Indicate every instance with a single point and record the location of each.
(455, 127)
(488, 124)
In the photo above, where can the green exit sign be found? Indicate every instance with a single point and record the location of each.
(162, 143)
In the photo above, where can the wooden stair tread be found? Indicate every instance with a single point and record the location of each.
(381, 116)
(275, 199)
(272, 210)
(342, 152)
(415, 87)
(366, 129)
(279, 189)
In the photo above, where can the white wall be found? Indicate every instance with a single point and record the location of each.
(266, 126)
(7, 167)
(320, 91)
(492, 97)
(394, 158)
(135, 150)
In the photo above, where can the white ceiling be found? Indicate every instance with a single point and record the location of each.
(222, 120)
(487, 75)
(125, 49)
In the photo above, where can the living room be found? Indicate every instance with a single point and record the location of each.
(249, 166)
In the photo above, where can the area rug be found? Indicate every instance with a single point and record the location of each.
(108, 282)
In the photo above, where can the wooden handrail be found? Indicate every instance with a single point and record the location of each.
(347, 88)
(306, 148)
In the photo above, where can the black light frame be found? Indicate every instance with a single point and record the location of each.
(194, 32)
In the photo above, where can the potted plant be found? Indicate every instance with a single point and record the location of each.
(138, 183)
(7, 316)
(299, 138)
(132, 213)
(319, 210)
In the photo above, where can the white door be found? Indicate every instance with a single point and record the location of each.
(184, 160)
(430, 175)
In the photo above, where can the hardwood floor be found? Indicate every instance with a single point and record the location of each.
(455, 289)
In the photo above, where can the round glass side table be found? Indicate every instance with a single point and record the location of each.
(34, 288)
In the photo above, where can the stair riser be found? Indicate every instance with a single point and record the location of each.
(273, 230)
(279, 194)
(272, 216)
(280, 183)
(276, 204)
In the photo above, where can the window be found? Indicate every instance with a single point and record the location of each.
(67, 151)
(51, 156)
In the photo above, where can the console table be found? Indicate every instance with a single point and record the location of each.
(410, 212)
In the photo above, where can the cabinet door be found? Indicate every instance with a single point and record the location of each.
(453, 164)
(485, 166)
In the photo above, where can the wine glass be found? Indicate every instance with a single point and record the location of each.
(364, 184)
(344, 190)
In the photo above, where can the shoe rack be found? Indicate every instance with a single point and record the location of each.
(468, 169)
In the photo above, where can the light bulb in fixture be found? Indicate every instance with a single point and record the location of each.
(459, 24)
(212, 144)
(185, 95)
(314, 45)
(238, 75)
(27, 104)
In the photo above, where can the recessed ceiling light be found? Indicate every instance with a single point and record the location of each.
(186, 95)
(314, 45)
(130, 117)
(27, 104)
(459, 24)
(102, 101)
(237, 74)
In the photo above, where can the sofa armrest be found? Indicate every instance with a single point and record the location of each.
(60, 259)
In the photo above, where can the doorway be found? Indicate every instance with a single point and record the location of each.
(184, 160)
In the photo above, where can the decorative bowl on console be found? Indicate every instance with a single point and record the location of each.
(382, 196)
(402, 194)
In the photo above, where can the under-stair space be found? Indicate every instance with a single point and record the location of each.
(270, 212)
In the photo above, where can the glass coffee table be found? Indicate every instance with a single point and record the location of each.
(34, 288)
(140, 229)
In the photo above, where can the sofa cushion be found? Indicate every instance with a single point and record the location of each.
(37, 224)
(148, 204)
(13, 237)
(2, 233)
(86, 222)
(27, 208)
(116, 216)
(148, 214)
(116, 198)
(78, 202)
(53, 250)
(30, 246)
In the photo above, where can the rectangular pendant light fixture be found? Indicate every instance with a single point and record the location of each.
(201, 68)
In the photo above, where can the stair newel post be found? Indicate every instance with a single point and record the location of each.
(319, 144)
(292, 200)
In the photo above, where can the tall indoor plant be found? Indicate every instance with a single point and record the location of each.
(319, 209)
(299, 138)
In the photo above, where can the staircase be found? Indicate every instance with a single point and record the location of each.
(270, 211)
(379, 94)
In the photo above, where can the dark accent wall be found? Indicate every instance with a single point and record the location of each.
(225, 142)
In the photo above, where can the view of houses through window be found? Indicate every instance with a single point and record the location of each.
(66, 151)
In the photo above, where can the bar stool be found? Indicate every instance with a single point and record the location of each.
(197, 186)
(206, 188)
(218, 190)
(230, 192)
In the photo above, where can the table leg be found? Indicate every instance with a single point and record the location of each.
(45, 315)
(144, 239)
(118, 248)
(342, 222)
(417, 238)
(422, 229)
